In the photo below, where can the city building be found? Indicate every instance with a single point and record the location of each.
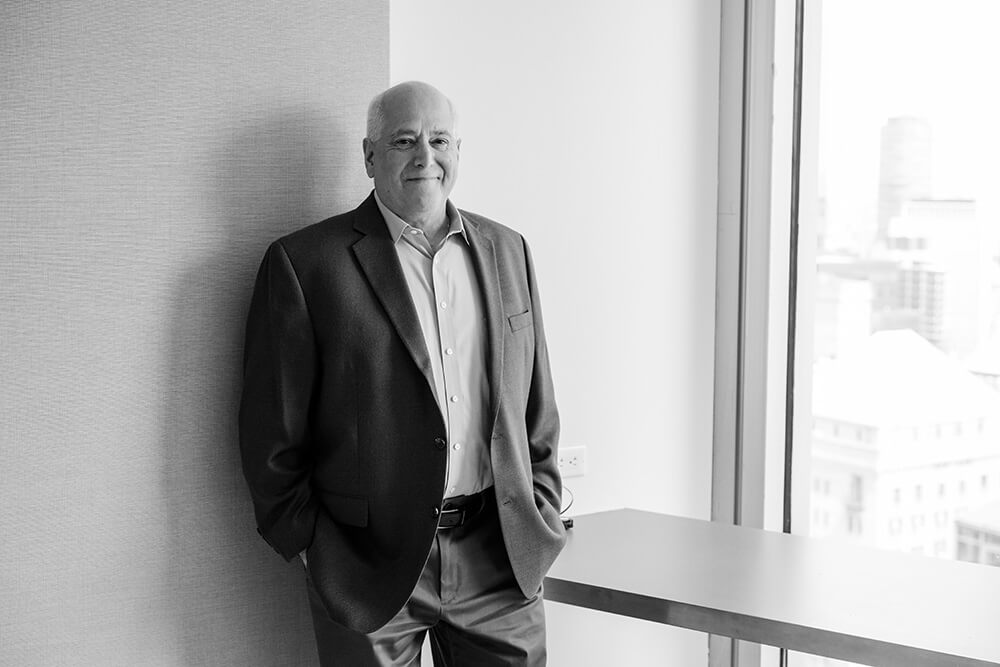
(905, 441)
(941, 249)
(978, 536)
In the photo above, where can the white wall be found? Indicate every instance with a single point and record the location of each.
(149, 151)
(592, 128)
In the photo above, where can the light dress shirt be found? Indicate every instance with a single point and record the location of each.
(445, 291)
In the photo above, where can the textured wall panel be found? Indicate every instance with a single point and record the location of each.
(148, 153)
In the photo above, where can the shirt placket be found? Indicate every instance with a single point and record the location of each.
(455, 402)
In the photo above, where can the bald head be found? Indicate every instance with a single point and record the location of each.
(406, 93)
(411, 152)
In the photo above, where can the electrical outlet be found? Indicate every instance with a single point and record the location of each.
(573, 461)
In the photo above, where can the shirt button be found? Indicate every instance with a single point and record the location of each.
(449, 351)
(457, 446)
(454, 399)
(414, 231)
(444, 304)
(439, 443)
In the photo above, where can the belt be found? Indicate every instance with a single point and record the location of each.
(459, 510)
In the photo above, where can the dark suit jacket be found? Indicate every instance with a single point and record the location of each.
(342, 441)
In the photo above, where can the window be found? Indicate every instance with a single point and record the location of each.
(857, 489)
(897, 266)
(906, 241)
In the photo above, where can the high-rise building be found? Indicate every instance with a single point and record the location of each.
(940, 246)
(922, 290)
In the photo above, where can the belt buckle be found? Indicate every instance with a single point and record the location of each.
(451, 518)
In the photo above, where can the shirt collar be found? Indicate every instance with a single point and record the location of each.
(397, 226)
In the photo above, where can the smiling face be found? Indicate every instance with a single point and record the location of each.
(414, 161)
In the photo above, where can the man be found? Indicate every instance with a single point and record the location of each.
(397, 426)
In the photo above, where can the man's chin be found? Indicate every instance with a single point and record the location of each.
(431, 195)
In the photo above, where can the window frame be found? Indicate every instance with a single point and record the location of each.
(758, 479)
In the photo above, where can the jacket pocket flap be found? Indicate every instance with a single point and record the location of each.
(520, 321)
(348, 510)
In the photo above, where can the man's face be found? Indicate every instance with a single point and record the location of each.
(415, 161)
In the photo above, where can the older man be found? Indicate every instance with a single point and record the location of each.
(398, 427)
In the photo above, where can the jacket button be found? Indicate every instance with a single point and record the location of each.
(439, 443)
(436, 511)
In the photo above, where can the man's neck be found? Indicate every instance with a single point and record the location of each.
(434, 225)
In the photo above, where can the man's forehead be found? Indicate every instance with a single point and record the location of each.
(414, 127)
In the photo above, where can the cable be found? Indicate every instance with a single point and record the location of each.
(571, 499)
(567, 521)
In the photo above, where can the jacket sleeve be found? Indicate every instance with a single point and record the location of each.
(279, 374)
(542, 417)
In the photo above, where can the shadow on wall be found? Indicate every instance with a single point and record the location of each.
(234, 601)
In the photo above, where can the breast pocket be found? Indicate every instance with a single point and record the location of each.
(520, 321)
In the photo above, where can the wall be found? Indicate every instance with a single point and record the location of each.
(148, 152)
(592, 128)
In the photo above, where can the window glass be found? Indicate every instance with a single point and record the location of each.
(906, 320)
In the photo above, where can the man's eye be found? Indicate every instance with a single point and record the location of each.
(441, 143)
(403, 143)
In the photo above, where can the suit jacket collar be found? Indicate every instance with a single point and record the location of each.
(378, 260)
(485, 260)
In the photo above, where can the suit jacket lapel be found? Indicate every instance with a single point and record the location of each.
(485, 260)
(378, 260)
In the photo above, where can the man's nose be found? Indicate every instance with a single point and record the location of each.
(423, 154)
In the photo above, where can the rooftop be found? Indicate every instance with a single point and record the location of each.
(897, 378)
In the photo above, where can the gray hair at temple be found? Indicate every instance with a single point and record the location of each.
(375, 121)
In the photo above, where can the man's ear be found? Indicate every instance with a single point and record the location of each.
(369, 150)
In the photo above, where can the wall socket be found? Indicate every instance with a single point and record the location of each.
(573, 461)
